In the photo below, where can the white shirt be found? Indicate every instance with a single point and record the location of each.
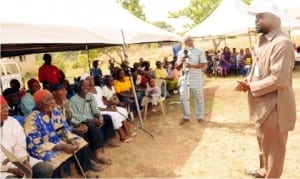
(98, 98)
(14, 140)
(108, 93)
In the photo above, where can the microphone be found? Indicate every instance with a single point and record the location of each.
(186, 52)
(186, 56)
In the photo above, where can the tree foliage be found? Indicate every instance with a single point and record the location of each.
(134, 7)
(163, 25)
(197, 11)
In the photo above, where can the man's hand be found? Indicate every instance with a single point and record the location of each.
(16, 171)
(26, 162)
(189, 65)
(99, 122)
(68, 148)
(81, 128)
(242, 86)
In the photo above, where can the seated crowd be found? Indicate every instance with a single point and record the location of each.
(227, 61)
(61, 124)
(64, 124)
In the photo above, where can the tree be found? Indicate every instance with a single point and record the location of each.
(163, 25)
(134, 7)
(197, 11)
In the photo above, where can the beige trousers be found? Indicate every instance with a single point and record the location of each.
(273, 146)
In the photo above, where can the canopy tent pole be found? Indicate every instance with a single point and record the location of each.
(88, 57)
(249, 35)
(133, 87)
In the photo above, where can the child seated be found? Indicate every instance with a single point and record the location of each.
(152, 94)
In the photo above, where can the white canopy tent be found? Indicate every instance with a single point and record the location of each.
(29, 26)
(229, 18)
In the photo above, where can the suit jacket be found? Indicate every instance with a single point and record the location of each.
(270, 81)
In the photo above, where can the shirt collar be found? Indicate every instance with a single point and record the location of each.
(270, 36)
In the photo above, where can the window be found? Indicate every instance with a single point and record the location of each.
(11, 68)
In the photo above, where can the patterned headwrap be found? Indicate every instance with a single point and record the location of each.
(40, 94)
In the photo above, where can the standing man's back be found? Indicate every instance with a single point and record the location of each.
(48, 73)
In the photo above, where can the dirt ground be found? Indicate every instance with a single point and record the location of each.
(221, 147)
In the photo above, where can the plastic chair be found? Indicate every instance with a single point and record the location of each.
(163, 84)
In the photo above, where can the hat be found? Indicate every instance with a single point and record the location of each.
(40, 94)
(84, 76)
(31, 81)
(2, 101)
(55, 87)
(264, 6)
(10, 91)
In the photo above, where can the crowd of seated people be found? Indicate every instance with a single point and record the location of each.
(91, 111)
(68, 123)
(228, 61)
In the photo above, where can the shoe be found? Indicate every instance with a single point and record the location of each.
(127, 140)
(183, 121)
(111, 143)
(131, 116)
(102, 160)
(200, 120)
(91, 174)
(133, 134)
(96, 167)
(254, 173)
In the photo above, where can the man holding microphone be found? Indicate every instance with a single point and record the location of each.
(193, 61)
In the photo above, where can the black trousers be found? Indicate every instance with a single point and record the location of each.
(93, 136)
(83, 158)
(108, 128)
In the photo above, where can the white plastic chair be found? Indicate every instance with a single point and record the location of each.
(163, 84)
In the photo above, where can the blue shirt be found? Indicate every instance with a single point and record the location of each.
(42, 135)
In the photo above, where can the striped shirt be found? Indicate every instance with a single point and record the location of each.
(83, 108)
(196, 56)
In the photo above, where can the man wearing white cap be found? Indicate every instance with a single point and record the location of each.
(270, 95)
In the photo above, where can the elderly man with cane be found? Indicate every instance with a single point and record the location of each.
(15, 161)
(49, 138)
(193, 61)
(270, 94)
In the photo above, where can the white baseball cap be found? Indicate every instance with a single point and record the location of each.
(264, 6)
(84, 76)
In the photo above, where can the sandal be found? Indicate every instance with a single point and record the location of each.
(127, 140)
(183, 121)
(103, 161)
(111, 144)
(133, 134)
(254, 173)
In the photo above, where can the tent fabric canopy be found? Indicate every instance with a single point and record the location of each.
(231, 18)
(30, 26)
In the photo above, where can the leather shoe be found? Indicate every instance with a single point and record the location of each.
(182, 121)
(103, 160)
(96, 167)
(254, 173)
(91, 174)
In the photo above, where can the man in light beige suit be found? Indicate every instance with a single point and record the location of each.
(270, 95)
